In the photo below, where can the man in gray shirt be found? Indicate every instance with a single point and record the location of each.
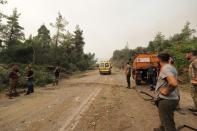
(167, 94)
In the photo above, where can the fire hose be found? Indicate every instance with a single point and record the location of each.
(152, 100)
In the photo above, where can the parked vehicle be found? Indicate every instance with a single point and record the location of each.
(141, 64)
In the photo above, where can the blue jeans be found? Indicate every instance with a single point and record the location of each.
(30, 86)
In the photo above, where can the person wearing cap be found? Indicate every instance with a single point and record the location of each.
(128, 75)
(192, 57)
(167, 94)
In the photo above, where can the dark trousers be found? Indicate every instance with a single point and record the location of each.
(56, 81)
(12, 88)
(194, 95)
(129, 80)
(152, 81)
(166, 114)
(30, 86)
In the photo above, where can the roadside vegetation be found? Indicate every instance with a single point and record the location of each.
(42, 50)
(177, 45)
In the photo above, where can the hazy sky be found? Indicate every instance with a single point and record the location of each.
(109, 24)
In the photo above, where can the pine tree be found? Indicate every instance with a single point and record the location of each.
(2, 26)
(43, 36)
(14, 32)
(78, 41)
(59, 25)
(187, 32)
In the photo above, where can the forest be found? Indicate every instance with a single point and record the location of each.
(42, 50)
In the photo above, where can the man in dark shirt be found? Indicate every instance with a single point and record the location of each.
(30, 78)
(128, 74)
(57, 75)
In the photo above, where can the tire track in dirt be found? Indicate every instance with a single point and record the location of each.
(117, 109)
(49, 107)
(73, 120)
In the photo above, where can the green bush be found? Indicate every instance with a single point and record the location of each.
(3, 78)
(42, 77)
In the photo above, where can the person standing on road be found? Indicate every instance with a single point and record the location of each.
(152, 77)
(192, 57)
(57, 75)
(167, 93)
(128, 75)
(13, 80)
(30, 79)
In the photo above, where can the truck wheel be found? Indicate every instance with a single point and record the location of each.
(138, 82)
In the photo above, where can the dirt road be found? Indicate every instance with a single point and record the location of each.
(86, 102)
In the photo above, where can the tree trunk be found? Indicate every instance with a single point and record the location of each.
(33, 55)
(56, 43)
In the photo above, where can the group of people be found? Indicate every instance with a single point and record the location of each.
(14, 76)
(166, 88)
